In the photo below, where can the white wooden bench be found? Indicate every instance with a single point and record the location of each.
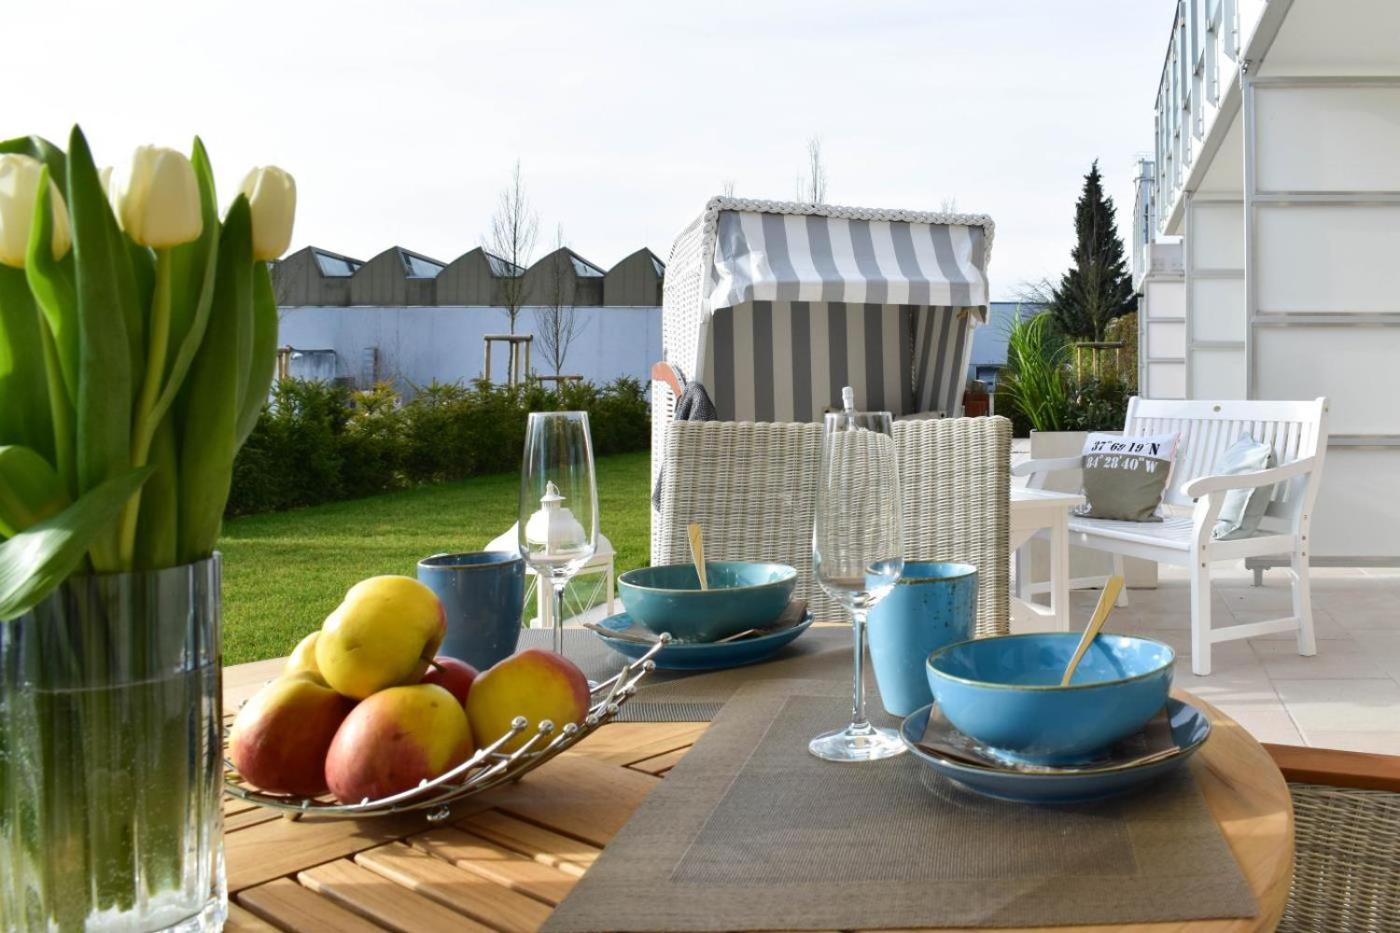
(1298, 433)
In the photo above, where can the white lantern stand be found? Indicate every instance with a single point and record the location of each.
(601, 564)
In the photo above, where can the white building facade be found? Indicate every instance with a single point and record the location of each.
(1269, 255)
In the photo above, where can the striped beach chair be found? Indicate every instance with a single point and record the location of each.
(775, 306)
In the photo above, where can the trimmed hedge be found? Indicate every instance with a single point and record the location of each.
(319, 442)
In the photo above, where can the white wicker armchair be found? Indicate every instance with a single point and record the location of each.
(753, 487)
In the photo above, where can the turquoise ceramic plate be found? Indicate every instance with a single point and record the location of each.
(692, 656)
(1190, 729)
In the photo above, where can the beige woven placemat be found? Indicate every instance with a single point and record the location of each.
(820, 653)
(749, 831)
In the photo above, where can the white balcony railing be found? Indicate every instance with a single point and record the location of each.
(1199, 78)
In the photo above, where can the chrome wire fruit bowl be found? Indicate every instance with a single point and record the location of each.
(485, 769)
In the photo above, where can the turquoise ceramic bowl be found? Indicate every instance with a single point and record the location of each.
(742, 595)
(1004, 692)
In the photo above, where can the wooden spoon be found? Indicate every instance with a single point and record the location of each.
(697, 553)
(1107, 598)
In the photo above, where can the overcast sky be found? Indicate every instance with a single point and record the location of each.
(401, 119)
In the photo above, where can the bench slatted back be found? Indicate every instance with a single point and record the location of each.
(1208, 428)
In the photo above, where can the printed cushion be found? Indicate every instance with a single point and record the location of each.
(1125, 477)
(1243, 508)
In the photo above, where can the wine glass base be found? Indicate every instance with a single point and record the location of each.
(857, 743)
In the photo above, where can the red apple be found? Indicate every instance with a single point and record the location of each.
(452, 675)
(280, 737)
(396, 738)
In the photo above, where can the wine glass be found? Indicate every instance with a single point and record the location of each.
(857, 553)
(558, 504)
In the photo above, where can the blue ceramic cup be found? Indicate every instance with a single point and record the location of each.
(484, 595)
(933, 604)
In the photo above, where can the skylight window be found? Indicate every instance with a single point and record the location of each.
(502, 269)
(336, 267)
(419, 267)
(585, 270)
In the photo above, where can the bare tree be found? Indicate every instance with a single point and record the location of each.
(726, 188)
(949, 206)
(512, 238)
(812, 188)
(556, 321)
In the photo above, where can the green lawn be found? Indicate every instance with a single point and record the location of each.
(284, 572)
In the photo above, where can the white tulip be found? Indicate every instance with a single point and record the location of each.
(157, 199)
(19, 188)
(272, 199)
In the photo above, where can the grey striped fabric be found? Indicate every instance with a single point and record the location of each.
(942, 346)
(786, 361)
(807, 257)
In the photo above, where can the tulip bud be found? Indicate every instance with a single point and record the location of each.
(157, 200)
(19, 188)
(272, 200)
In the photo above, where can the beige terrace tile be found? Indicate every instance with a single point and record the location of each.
(1376, 743)
(1383, 647)
(1266, 724)
(1358, 598)
(1153, 620)
(1336, 659)
(1224, 656)
(1232, 684)
(1371, 705)
(1324, 626)
(1256, 599)
(1365, 618)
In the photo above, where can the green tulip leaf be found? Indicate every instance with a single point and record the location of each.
(208, 406)
(263, 365)
(106, 309)
(51, 282)
(158, 518)
(30, 490)
(24, 394)
(37, 560)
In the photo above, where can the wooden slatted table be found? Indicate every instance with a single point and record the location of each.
(507, 857)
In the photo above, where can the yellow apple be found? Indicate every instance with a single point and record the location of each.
(383, 634)
(536, 684)
(303, 656)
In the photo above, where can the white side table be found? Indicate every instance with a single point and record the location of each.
(1041, 512)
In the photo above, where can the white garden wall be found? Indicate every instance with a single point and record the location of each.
(421, 344)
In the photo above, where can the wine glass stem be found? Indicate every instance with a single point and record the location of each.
(558, 597)
(858, 721)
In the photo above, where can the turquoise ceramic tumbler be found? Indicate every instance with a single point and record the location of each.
(933, 605)
(484, 596)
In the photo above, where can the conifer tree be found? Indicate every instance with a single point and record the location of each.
(1098, 287)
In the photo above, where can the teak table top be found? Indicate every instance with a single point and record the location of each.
(508, 856)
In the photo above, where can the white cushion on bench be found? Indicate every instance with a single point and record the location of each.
(1172, 532)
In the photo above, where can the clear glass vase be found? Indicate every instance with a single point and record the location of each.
(111, 759)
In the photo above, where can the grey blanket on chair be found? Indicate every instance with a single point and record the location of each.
(693, 405)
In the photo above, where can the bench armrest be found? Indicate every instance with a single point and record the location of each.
(1205, 485)
(1047, 465)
